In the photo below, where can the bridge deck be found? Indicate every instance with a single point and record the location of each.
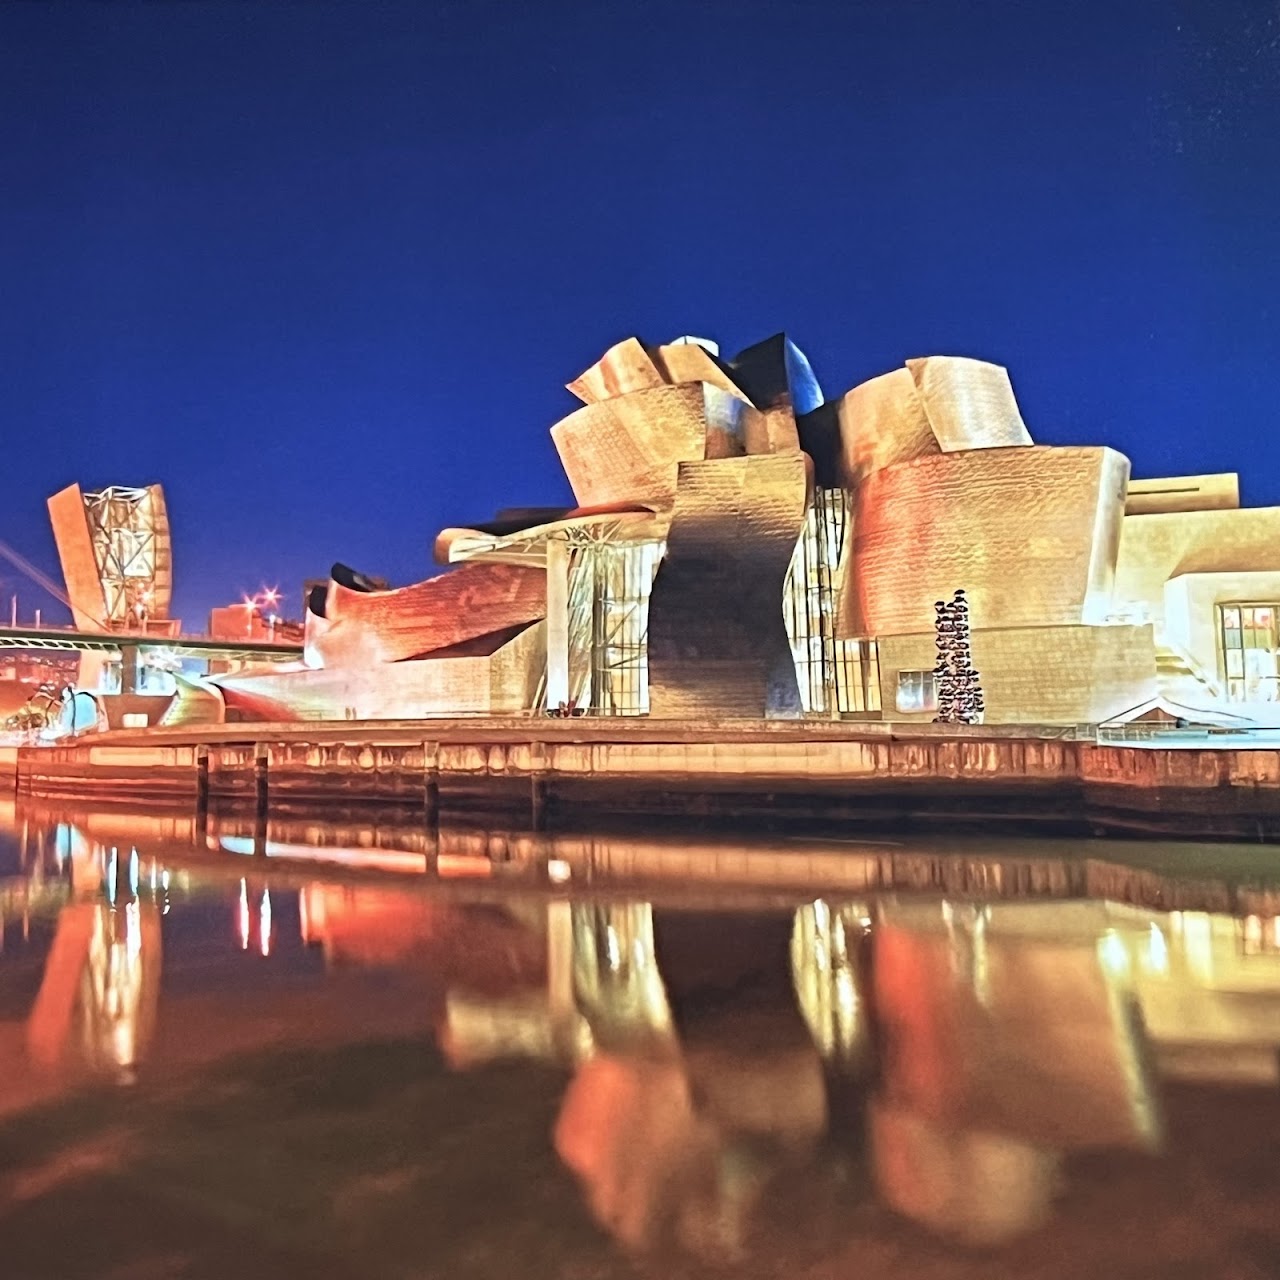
(68, 639)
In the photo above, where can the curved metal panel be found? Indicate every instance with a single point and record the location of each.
(624, 368)
(882, 422)
(1029, 533)
(717, 643)
(498, 678)
(970, 403)
(776, 372)
(627, 449)
(680, 362)
(162, 553)
(361, 628)
(79, 564)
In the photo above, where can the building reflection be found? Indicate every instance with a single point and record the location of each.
(955, 1052)
(972, 1049)
(98, 999)
(1001, 1047)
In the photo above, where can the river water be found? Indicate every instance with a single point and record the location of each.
(369, 1049)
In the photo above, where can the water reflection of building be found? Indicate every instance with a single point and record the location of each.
(1208, 987)
(1000, 1047)
(101, 982)
(977, 1042)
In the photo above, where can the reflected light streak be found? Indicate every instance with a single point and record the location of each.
(374, 859)
(243, 916)
(458, 866)
(1113, 954)
(1157, 951)
(264, 924)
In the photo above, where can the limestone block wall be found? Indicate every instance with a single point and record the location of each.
(1191, 603)
(1157, 548)
(717, 643)
(1183, 493)
(1030, 534)
(516, 670)
(1038, 675)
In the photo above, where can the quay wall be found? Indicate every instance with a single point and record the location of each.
(1213, 791)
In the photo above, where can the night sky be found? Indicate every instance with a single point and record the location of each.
(322, 269)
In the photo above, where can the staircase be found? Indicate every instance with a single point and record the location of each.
(1181, 679)
(194, 703)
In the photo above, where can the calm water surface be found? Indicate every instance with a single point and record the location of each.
(368, 1050)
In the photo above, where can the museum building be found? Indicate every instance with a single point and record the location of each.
(743, 548)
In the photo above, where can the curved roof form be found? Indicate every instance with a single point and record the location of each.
(528, 546)
(360, 628)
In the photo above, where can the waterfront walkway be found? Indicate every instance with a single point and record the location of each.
(784, 771)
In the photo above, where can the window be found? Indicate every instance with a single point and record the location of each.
(1251, 651)
(609, 586)
(916, 691)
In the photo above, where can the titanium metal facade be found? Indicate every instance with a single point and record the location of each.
(743, 549)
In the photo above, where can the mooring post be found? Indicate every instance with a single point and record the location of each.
(538, 785)
(202, 793)
(431, 782)
(261, 759)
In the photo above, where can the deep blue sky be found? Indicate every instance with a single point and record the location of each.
(322, 268)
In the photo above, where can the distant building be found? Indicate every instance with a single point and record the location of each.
(240, 622)
(38, 666)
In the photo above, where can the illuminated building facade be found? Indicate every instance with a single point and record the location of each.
(744, 548)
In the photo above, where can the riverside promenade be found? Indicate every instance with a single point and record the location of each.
(753, 771)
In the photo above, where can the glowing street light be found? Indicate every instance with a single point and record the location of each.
(258, 605)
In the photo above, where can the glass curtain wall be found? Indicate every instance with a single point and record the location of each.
(1251, 651)
(836, 677)
(609, 587)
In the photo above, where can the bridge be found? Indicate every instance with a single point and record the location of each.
(67, 639)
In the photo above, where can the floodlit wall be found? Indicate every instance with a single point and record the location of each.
(1183, 493)
(502, 683)
(1037, 675)
(1029, 533)
(1154, 549)
(1191, 603)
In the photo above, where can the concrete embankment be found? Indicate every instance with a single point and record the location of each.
(753, 771)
